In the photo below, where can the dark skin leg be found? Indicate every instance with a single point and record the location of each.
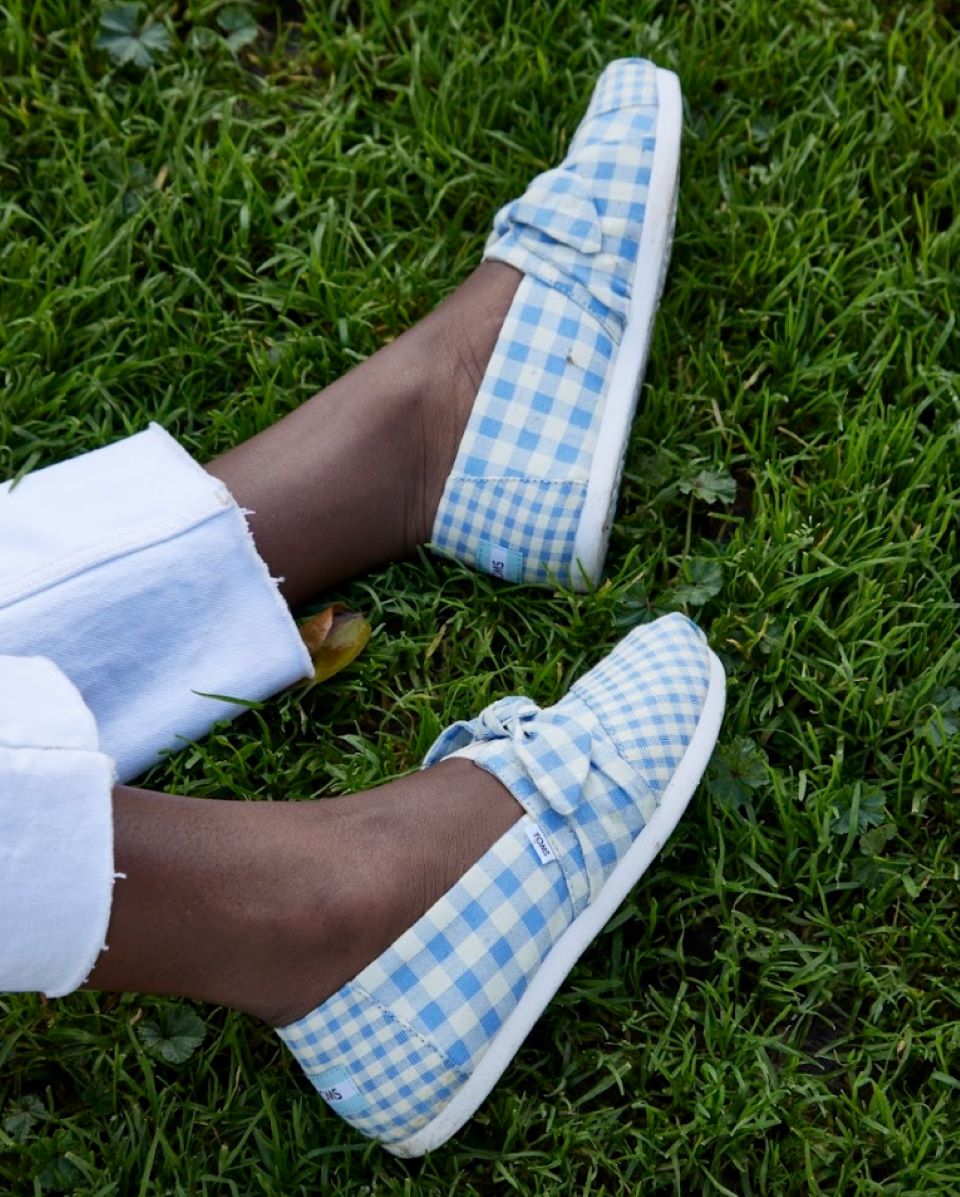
(270, 907)
(353, 477)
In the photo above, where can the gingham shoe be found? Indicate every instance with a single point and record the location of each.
(532, 492)
(408, 1050)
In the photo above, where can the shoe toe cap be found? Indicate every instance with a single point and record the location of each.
(649, 694)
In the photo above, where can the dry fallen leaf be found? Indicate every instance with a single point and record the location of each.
(334, 638)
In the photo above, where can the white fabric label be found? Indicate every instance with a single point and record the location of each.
(540, 845)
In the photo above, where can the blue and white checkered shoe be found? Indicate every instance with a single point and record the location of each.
(532, 493)
(408, 1050)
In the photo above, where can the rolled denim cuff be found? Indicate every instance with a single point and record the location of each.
(56, 831)
(134, 570)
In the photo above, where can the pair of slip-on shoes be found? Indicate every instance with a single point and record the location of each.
(408, 1049)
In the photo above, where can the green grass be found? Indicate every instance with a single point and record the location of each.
(775, 1010)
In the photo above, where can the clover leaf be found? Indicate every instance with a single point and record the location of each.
(21, 1121)
(238, 27)
(858, 804)
(944, 722)
(737, 769)
(127, 40)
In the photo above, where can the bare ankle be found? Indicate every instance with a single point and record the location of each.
(462, 334)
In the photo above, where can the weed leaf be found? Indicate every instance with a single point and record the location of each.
(737, 769)
(59, 1176)
(712, 486)
(175, 1036)
(21, 1122)
(873, 842)
(944, 723)
(239, 27)
(706, 581)
(865, 806)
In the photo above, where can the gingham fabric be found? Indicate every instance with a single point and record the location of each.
(591, 769)
(513, 500)
(390, 1049)
(410, 1028)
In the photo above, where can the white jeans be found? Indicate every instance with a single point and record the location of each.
(131, 597)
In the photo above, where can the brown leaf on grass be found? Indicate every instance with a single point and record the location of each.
(334, 638)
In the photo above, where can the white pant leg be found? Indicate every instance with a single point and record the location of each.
(133, 570)
(56, 831)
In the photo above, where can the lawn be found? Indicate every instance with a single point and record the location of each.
(206, 240)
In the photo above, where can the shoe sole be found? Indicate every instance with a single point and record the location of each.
(656, 239)
(581, 932)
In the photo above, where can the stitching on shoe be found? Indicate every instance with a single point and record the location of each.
(525, 478)
(520, 253)
(587, 702)
(412, 1031)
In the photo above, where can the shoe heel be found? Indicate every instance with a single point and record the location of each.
(380, 1075)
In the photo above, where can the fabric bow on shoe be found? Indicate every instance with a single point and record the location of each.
(558, 204)
(562, 232)
(575, 769)
(557, 750)
(555, 233)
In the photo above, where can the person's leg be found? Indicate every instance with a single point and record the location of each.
(279, 904)
(275, 904)
(352, 478)
(497, 427)
(269, 907)
(265, 906)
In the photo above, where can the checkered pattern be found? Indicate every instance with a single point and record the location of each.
(619, 88)
(575, 234)
(542, 516)
(413, 1025)
(459, 971)
(615, 153)
(649, 694)
(410, 1029)
(591, 769)
(400, 1077)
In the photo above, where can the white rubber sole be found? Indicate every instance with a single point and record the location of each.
(596, 519)
(581, 932)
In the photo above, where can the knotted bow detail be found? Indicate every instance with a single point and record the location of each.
(556, 750)
(575, 769)
(569, 233)
(559, 204)
(577, 226)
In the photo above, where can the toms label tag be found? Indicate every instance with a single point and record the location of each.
(500, 561)
(338, 1091)
(539, 843)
